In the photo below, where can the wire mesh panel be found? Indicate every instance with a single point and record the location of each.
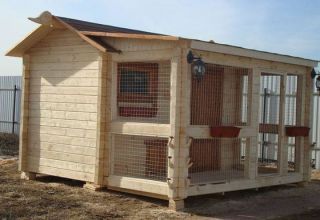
(293, 93)
(220, 97)
(269, 123)
(143, 92)
(140, 157)
(217, 160)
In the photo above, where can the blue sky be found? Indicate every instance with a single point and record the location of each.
(287, 26)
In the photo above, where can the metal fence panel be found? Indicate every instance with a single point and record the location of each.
(10, 104)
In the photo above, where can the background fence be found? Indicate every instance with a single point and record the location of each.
(10, 95)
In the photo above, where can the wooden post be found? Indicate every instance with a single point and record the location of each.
(283, 139)
(307, 122)
(23, 143)
(175, 201)
(254, 123)
(101, 124)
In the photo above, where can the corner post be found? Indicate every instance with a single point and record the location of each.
(24, 115)
(176, 187)
(283, 139)
(101, 124)
(254, 123)
(307, 118)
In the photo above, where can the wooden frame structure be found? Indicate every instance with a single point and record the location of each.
(69, 108)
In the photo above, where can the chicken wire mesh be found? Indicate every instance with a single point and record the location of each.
(293, 93)
(269, 112)
(221, 96)
(143, 92)
(217, 160)
(140, 157)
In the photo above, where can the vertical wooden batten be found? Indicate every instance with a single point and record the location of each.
(100, 163)
(24, 115)
(307, 122)
(173, 151)
(283, 139)
(254, 123)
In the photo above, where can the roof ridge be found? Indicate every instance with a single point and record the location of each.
(99, 25)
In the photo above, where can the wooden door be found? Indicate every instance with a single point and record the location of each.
(207, 97)
(206, 109)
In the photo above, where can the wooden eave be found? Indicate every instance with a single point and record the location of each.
(30, 40)
(126, 35)
(38, 34)
(255, 54)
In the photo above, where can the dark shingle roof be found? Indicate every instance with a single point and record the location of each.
(94, 27)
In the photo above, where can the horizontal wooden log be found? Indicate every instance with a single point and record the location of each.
(71, 174)
(63, 73)
(35, 138)
(204, 132)
(75, 107)
(64, 148)
(63, 156)
(66, 81)
(63, 123)
(83, 99)
(148, 129)
(243, 184)
(70, 132)
(92, 65)
(36, 162)
(142, 185)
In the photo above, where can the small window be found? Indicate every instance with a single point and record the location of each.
(134, 82)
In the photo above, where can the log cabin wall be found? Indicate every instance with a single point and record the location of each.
(62, 108)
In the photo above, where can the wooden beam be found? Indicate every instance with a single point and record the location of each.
(31, 39)
(145, 129)
(127, 35)
(244, 184)
(101, 121)
(238, 51)
(253, 118)
(308, 106)
(283, 139)
(24, 115)
(175, 105)
(138, 185)
(92, 42)
(203, 132)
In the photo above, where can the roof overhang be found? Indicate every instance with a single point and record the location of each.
(239, 51)
(31, 39)
(48, 23)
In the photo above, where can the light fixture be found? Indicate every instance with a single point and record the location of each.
(317, 82)
(198, 68)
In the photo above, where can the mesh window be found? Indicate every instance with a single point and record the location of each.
(217, 160)
(140, 157)
(143, 93)
(221, 97)
(269, 123)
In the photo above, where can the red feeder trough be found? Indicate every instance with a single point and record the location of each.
(297, 131)
(224, 131)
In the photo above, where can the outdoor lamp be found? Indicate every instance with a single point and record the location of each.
(317, 82)
(198, 68)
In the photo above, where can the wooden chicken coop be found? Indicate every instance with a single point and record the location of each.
(159, 115)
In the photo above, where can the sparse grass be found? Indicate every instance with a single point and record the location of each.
(57, 198)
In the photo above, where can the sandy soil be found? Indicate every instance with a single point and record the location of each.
(58, 198)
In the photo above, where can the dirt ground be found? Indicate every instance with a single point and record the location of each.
(58, 198)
